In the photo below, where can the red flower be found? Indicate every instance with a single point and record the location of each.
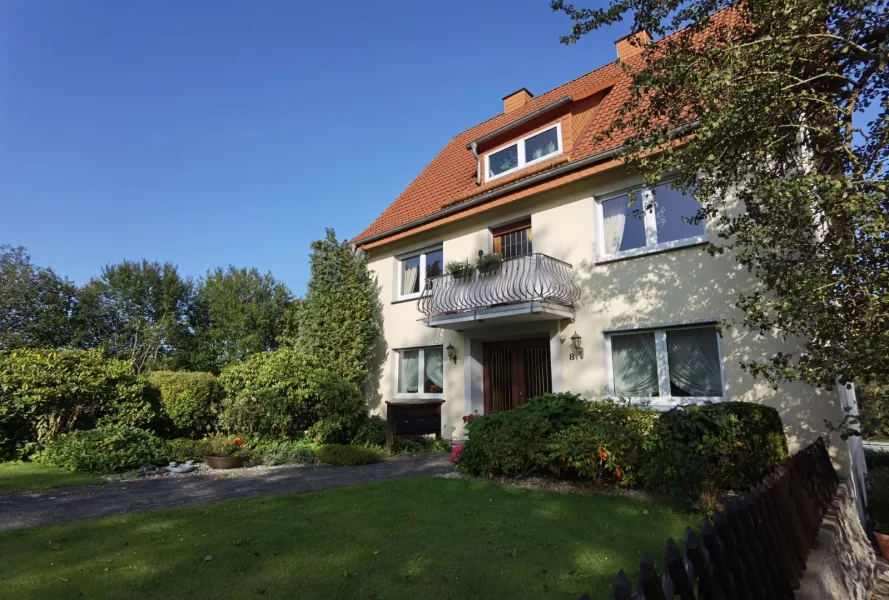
(239, 442)
(618, 472)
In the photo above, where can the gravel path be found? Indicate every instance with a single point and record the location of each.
(28, 509)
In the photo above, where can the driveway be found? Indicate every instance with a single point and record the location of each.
(29, 509)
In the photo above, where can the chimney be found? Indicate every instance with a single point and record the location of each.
(632, 44)
(516, 100)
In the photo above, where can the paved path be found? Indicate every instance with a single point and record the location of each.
(28, 509)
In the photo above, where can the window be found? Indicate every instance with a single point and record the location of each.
(628, 229)
(416, 271)
(513, 240)
(420, 371)
(666, 366)
(525, 152)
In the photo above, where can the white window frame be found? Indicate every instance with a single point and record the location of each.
(649, 221)
(520, 152)
(665, 400)
(421, 374)
(400, 271)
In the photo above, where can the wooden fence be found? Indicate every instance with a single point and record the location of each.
(756, 549)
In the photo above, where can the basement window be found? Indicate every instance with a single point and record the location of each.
(527, 151)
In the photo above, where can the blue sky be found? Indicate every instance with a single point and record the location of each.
(231, 132)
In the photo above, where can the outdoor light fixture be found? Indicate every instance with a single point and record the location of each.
(576, 345)
(452, 353)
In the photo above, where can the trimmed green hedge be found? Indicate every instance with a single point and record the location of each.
(47, 393)
(285, 393)
(187, 398)
(693, 449)
(341, 455)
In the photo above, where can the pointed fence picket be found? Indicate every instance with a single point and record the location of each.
(755, 549)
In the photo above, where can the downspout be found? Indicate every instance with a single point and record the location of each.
(478, 163)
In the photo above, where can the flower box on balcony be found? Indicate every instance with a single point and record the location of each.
(459, 269)
(489, 263)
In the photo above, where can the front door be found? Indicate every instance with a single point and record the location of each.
(515, 371)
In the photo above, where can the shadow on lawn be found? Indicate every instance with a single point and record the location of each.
(404, 539)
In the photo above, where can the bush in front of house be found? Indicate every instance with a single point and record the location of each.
(701, 449)
(693, 449)
(187, 398)
(106, 449)
(183, 449)
(285, 393)
(605, 443)
(372, 432)
(342, 455)
(225, 446)
(511, 442)
(274, 451)
(47, 393)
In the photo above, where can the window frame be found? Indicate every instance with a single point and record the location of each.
(399, 260)
(665, 400)
(513, 226)
(520, 152)
(652, 246)
(421, 374)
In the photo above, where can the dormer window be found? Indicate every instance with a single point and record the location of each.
(529, 150)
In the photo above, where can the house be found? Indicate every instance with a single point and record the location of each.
(588, 297)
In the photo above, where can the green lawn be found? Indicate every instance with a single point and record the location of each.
(18, 476)
(413, 538)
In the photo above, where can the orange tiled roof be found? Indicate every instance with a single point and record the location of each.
(450, 179)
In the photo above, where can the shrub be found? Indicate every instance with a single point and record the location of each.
(701, 449)
(873, 406)
(285, 453)
(187, 398)
(561, 410)
(344, 456)
(372, 432)
(441, 446)
(47, 393)
(105, 450)
(606, 442)
(284, 393)
(183, 449)
(878, 490)
(510, 442)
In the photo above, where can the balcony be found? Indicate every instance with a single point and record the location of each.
(526, 288)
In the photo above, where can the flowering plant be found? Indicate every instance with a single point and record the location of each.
(455, 454)
(224, 446)
(469, 417)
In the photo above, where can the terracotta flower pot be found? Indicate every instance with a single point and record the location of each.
(883, 541)
(224, 462)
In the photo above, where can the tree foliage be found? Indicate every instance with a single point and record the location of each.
(775, 91)
(237, 313)
(35, 303)
(137, 311)
(339, 319)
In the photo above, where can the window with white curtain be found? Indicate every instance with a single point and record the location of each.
(527, 151)
(420, 371)
(416, 270)
(666, 366)
(649, 220)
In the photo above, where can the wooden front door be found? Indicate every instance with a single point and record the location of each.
(515, 371)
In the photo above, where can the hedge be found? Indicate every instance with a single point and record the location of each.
(47, 393)
(187, 398)
(341, 455)
(690, 450)
(105, 450)
(285, 393)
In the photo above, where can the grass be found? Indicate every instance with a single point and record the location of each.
(412, 538)
(20, 476)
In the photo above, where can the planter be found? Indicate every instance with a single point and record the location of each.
(883, 541)
(461, 274)
(492, 267)
(224, 462)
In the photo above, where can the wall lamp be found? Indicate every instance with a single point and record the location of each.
(452, 353)
(576, 345)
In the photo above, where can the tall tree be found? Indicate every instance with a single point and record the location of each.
(339, 319)
(775, 91)
(237, 312)
(135, 310)
(35, 303)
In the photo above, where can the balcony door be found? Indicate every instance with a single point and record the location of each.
(515, 371)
